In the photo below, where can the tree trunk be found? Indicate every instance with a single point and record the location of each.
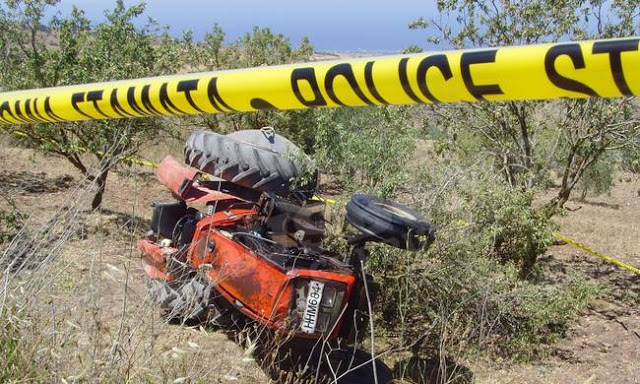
(101, 182)
(526, 269)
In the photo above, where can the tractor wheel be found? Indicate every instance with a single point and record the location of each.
(389, 222)
(258, 159)
(351, 366)
(341, 366)
(183, 301)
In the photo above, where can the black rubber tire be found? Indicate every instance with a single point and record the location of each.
(357, 367)
(258, 159)
(389, 222)
(309, 361)
(183, 301)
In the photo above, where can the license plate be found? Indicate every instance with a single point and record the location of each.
(314, 298)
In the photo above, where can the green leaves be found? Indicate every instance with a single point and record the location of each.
(366, 147)
(257, 48)
(70, 50)
(507, 224)
(11, 221)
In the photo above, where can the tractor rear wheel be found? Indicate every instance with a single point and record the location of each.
(257, 158)
(184, 301)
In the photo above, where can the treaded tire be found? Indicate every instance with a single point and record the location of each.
(389, 222)
(258, 159)
(189, 302)
(349, 365)
(357, 367)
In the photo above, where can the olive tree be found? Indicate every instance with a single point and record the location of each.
(532, 145)
(38, 52)
(530, 139)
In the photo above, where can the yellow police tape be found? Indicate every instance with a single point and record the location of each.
(323, 200)
(595, 253)
(556, 235)
(604, 68)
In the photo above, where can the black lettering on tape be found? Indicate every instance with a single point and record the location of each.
(37, 112)
(478, 57)
(345, 70)
(371, 86)
(22, 117)
(309, 75)
(28, 112)
(17, 113)
(5, 108)
(262, 105)
(166, 102)
(214, 96)
(76, 99)
(94, 97)
(438, 61)
(146, 101)
(33, 109)
(49, 111)
(575, 54)
(115, 104)
(187, 86)
(404, 80)
(131, 100)
(614, 49)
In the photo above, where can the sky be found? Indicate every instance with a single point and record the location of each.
(331, 25)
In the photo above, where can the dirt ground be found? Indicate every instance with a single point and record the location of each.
(605, 346)
(102, 290)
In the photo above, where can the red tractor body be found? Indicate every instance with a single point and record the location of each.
(261, 288)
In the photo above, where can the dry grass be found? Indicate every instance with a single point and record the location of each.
(609, 222)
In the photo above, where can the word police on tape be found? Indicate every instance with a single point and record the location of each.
(603, 68)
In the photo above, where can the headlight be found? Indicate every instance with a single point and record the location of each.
(329, 297)
(323, 324)
(317, 305)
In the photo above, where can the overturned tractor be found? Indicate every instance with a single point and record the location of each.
(241, 243)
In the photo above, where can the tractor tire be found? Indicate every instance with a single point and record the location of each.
(389, 222)
(257, 159)
(356, 367)
(183, 301)
(337, 366)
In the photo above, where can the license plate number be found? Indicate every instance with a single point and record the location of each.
(314, 298)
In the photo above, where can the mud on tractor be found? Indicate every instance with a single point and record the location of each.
(241, 242)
